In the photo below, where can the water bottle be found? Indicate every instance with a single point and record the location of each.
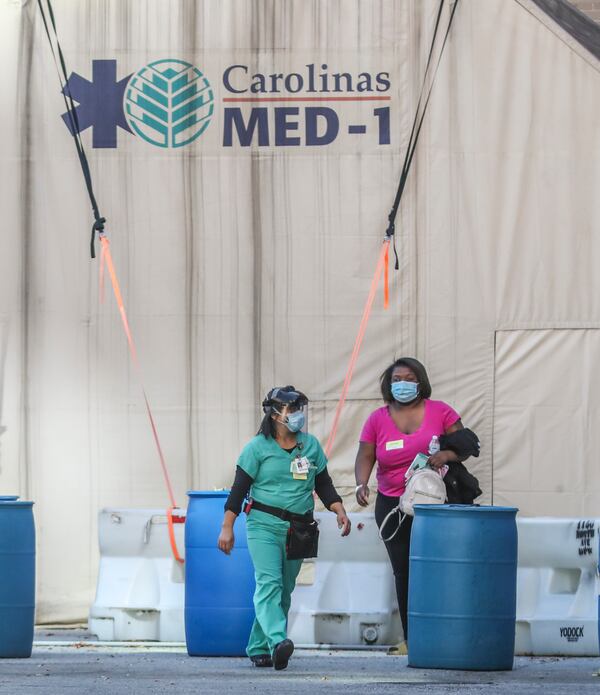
(434, 445)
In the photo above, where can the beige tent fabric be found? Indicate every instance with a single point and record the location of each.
(13, 334)
(546, 415)
(510, 218)
(243, 268)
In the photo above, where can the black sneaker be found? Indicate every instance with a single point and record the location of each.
(262, 660)
(282, 653)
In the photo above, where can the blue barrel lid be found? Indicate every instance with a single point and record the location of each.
(471, 508)
(9, 498)
(208, 493)
(11, 504)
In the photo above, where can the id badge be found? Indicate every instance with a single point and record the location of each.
(392, 446)
(300, 467)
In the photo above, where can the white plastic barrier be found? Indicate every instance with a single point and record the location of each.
(558, 587)
(140, 591)
(346, 596)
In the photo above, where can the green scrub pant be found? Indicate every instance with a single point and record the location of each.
(275, 580)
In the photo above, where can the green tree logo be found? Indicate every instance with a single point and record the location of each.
(169, 103)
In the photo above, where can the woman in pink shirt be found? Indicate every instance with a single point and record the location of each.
(393, 436)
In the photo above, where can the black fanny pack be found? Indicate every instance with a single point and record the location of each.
(303, 535)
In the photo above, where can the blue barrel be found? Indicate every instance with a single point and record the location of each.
(17, 578)
(8, 498)
(219, 588)
(462, 587)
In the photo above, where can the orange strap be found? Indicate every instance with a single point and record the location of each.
(170, 521)
(107, 262)
(381, 262)
(386, 277)
(117, 291)
(102, 262)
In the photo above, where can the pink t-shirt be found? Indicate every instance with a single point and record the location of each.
(395, 450)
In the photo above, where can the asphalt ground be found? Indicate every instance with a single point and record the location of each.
(70, 663)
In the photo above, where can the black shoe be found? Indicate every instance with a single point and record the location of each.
(282, 653)
(262, 660)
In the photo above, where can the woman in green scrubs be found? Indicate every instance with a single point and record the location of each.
(281, 467)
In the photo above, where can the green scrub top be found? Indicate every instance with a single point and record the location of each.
(269, 466)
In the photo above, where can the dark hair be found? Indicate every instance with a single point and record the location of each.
(267, 426)
(415, 367)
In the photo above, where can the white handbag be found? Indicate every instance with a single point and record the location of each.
(425, 486)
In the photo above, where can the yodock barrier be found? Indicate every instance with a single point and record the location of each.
(346, 596)
(140, 591)
(558, 587)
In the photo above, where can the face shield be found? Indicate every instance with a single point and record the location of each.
(294, 417)
(291, 406)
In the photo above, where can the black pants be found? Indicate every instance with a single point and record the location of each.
(397, 549)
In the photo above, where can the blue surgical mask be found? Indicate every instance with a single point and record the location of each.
(295, 421)
(405, 391)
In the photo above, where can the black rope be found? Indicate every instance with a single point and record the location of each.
(417, 124)
(98, 226)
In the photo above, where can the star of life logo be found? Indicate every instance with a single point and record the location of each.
(168, 103)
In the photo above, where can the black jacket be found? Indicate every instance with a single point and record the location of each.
(461, 486)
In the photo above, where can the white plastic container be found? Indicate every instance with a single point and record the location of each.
(140, 591)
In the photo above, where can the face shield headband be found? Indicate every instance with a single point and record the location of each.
(290, 405)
